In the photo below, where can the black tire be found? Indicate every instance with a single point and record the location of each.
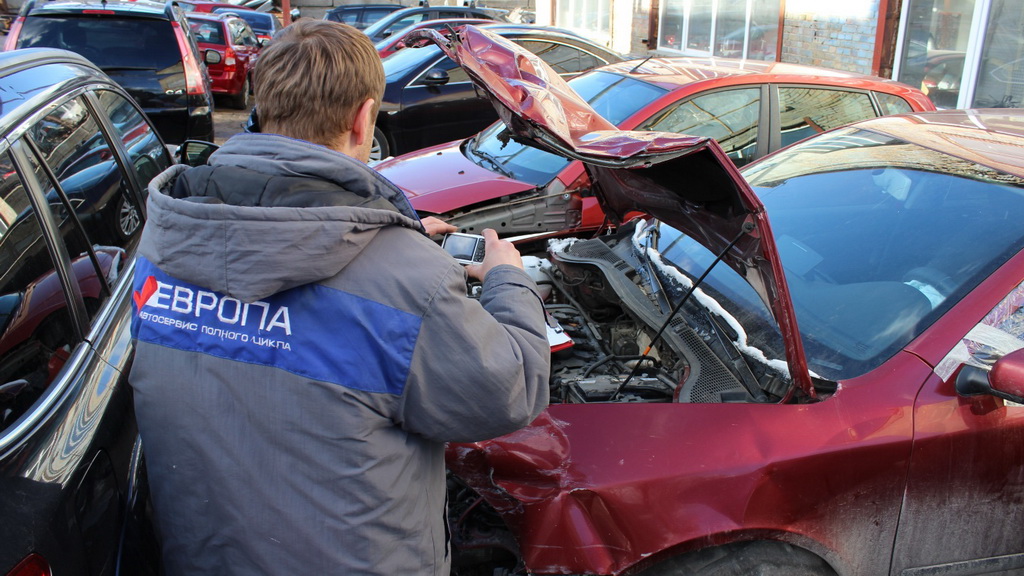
(759, 558)
(240, 101)
(380, 148)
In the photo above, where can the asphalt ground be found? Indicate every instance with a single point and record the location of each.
(227, 121)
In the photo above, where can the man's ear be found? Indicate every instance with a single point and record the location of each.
(362, 126)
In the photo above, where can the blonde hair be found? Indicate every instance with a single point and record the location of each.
(311, 80)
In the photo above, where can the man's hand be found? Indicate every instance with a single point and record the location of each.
(497, 252)
(435, 226)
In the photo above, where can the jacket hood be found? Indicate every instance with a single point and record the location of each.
(252, 251)
(686, 181)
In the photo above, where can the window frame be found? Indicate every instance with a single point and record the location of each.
(87, 331)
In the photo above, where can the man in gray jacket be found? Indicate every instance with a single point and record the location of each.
(304, 350)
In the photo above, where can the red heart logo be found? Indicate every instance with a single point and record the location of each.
(148, 288)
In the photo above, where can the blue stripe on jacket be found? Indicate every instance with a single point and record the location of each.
(311, 330)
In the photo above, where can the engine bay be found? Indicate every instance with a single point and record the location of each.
(617, 338)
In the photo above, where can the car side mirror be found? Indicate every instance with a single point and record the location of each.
(195, 152)
(387, 33)
(1005, 380)
(436, 77)
(212, 57)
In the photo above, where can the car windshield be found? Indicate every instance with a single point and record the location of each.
(110, 43)
(398, 64)
(878, 238)
(614, 97)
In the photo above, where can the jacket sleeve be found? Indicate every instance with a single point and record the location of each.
(479, 369)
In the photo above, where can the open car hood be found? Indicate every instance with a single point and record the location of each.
(687, 182)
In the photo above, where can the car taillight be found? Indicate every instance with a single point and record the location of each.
(193, 75)
(31, 565)
(12, 34)
(229, 59)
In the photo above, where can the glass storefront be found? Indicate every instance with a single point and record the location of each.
(941, 41)
(736, 29)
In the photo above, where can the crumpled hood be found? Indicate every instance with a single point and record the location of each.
(251, 252)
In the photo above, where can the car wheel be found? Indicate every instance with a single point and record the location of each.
(128, 218)
(241, 100)
(380, 148)
(743, 559)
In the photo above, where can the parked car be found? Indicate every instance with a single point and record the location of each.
(263, 24)
(230, 49)
(146, 47)
(428, 99)
(750, 108)
(76, 158)
(399, 19)
(396, 41)
(809, 367)
(360, 15)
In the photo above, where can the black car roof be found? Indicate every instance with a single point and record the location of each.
(32, 76)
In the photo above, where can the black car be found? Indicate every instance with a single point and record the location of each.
(146, 47)
(360, 15)
(76, 156)
(429, 99)
(400, 19)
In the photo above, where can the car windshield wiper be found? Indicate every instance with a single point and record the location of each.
(474, 148)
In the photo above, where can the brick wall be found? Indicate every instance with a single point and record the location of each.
(839, 43)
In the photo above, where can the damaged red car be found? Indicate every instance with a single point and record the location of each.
(812, 367)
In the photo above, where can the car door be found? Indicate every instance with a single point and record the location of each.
(68, 429)
(436, 111)
(963, 510)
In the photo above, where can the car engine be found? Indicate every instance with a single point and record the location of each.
(616, 309)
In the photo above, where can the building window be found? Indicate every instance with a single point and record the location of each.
(1001, 76)
(742, 29)
(592, 17)
(935, 39)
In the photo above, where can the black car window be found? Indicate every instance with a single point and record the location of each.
(207, 32)
(407, 21)
(892, 104)
(371, 15)
(38, 333)
(110, 42)
(728, 116)
(147, 154)
(85, 165)
(806, 111)
(563, 59)
(345, 16)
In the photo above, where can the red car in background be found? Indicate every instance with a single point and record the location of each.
(230, 48)
(750, 108)
(396, 41)
(812, 366)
